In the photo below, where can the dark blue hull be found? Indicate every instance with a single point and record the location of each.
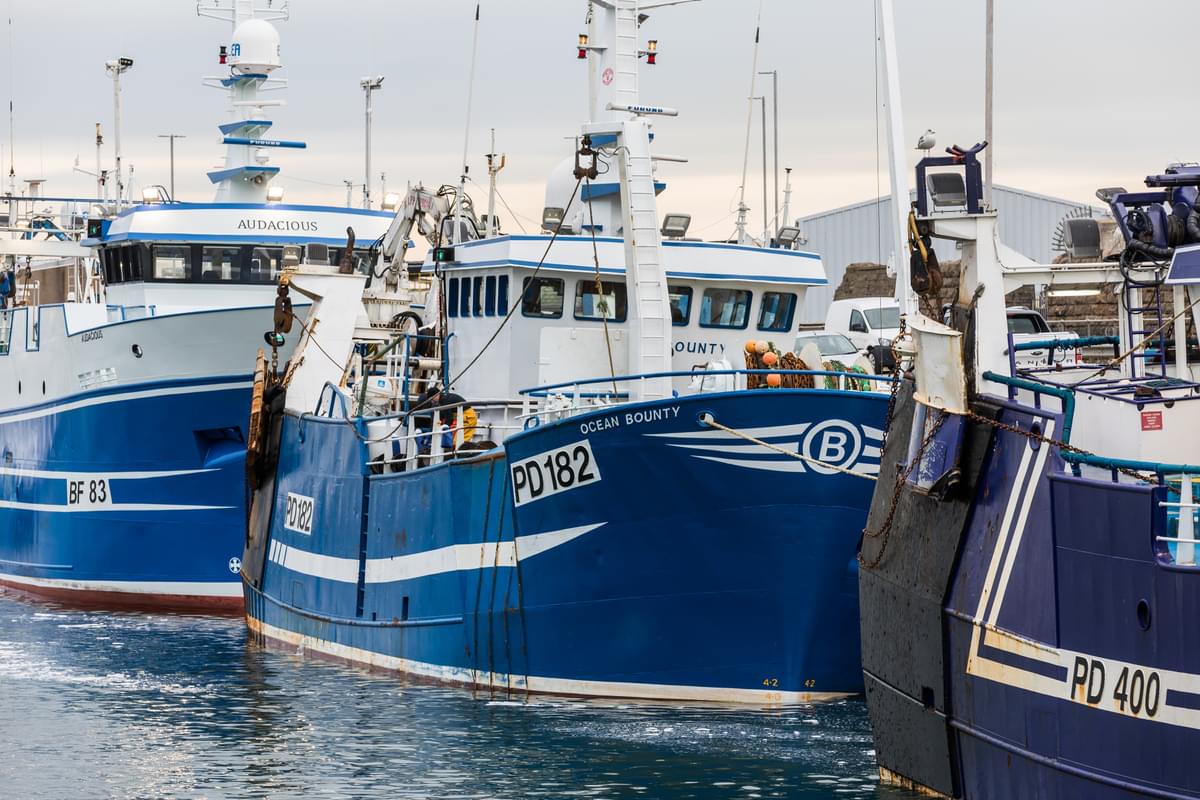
(1047, 627)
(689, 565)
(133, 496)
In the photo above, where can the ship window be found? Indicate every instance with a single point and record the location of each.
(172, 262)
(265, 263)
(124, 271)
(724, 308)
(681, 304)
(502, 295)
(590, 305)
(135, 263)
(108, 267)
(464, 298)
(452, 297)
(477, 308)
(489, 305)
(221, 264)
(776, 311)
(542, 297)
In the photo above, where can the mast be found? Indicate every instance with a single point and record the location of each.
(987, 107)
(252, 55)
(621, 121)
(897, 161)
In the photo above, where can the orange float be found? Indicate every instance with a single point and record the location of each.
(770, 359)
(774, 381)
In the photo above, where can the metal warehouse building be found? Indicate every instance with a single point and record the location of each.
(863, 233)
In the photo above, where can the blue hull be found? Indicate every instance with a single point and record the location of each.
(131, 496)
(690, 566)
(1069, 665)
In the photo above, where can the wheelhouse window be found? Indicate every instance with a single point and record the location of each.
(681, 304)
(221, 264)
(725, 308)
(489, 305)
(542, 297)
(464, 298)
(172, 262)
(452, 297)
(502, 295)
(611, 305)
(477, 306)
(265, 263)
(776, 311)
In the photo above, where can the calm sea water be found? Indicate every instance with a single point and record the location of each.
(130, 706)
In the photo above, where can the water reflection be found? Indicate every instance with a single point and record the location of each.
(121, 705)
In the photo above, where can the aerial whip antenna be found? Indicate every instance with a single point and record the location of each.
(462, 181)
(742, 209)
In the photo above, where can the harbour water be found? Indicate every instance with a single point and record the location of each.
(108, 705)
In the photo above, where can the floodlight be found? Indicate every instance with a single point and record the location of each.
(675, 226)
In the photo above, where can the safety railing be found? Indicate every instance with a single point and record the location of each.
(561, 400)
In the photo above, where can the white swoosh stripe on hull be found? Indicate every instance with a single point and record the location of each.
(230, 588)
(534, 683)
(772, 432)
(790, 465)
(55, 508)
(118, 398)
(452, 558)
(22, 472)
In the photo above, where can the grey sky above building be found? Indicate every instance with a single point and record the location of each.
(1088, 93)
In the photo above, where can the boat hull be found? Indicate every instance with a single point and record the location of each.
(130, 493)
(692, 566)
(1029, 637)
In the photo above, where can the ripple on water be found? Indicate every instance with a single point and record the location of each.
(183, 706)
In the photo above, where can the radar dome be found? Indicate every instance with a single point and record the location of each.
(254, 48)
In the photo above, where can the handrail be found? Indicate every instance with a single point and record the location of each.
(1066, 395)
(1067, 344)
(704, 373)
(1129, 463)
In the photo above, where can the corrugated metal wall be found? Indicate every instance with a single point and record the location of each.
(863, 233)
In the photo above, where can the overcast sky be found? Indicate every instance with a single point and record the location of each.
(1088, 93)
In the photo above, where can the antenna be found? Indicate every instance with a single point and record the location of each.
(369, 85)
(742, 209)
(462, 181)
(897, 163)
(987, 107)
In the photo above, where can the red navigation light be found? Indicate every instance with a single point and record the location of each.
(221, 56)
(651, 58)
(582, 53)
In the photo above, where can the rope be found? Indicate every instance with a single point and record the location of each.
(1147, 340)
(612, 369)
(707, 419)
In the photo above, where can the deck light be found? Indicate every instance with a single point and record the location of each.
(947, 189)
(391, 201)
(675, 226)
(1072, 292)
(274, 194)
(1081, 236)
(552, 218)
(154, 194)
(788, 236)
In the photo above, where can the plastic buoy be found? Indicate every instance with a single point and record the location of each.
(751, 345)
(770, 359)
(761, 346)
(774, 381)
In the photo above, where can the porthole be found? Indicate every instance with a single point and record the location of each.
(137, 351)
(1143, 615)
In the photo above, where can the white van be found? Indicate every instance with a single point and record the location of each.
(870, 323)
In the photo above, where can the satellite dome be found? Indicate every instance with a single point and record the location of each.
(254, 48)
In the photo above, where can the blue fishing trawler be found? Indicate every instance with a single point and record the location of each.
(1029, 575)
(669, 514)
(123, 408)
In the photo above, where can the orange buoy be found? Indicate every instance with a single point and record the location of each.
(770, 359)
(774, 381)
(750, 346)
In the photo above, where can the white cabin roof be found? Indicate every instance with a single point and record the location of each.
(707, 261)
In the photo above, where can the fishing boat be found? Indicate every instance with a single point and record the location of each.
(1029, 574)
(123, 408)
(638, 524)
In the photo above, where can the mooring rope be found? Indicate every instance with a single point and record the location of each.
(707, 419)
